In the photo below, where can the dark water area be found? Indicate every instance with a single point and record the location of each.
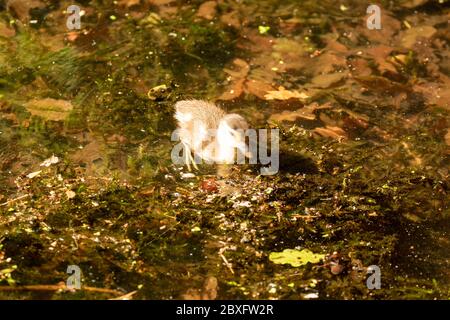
(87, 179)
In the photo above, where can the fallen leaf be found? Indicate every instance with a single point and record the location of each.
(128, 3)
(380, 55)
(207, 10)
(390, 26)
(436, 93)
(307, 112)
(327, 80)
(210, 289)
(231, 19)
(411, 36)
(257, 88)
(6, 31)
(263, 29)
(22, 7)
(331, 132)
(208, 292)
(237, 76)
(412, 3)
(447, 137)
(49, 109)
(91, 155)
(295, 258)
(283, 94)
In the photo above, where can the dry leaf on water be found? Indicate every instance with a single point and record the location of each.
(6, 31)
(128, 3)
(306, 112)
(328, 80)
(447, 137)
(331, 132)
(237, 77)
(390, 27)
(49, 109)
(380, 55)
(283, 94)
(411, 36)
(207, 10)
(436, 93)
(22, 7)
(208, 292)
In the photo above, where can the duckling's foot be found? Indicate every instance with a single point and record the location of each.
(188, 159)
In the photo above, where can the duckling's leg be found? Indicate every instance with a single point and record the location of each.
(187, 154)
(191, 159)
(188, 159)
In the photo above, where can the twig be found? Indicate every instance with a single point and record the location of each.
(229, 265)
(56, 287)
(127, 296)
(12, 200)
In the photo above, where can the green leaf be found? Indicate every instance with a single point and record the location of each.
(263, 29)
(295, 258)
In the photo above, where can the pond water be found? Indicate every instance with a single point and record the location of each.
(361, 99)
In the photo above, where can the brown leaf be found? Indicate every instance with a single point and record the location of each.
(240, 71)
(360, 67)
(257, 88)
(160, 2)
(390, 26)
(208, 292)
(128, 3)
(237, 76)
(89, 154)
(328, 80)
(436, 93)
(326, 62)
(210, 289)
(231, 19)
(447, 137)
(6, 31)
(49, 109)
(283, 94)
(411, 36)
(380, 55)
(306, 112)
(331, 132)
(207, 10)
(413, 3)
(22, 8)
(382, 85)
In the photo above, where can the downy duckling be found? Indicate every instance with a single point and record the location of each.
(209, 133)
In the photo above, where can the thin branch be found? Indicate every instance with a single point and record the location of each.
(56, 287)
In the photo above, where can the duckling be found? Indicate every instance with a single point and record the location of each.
(209, 133)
